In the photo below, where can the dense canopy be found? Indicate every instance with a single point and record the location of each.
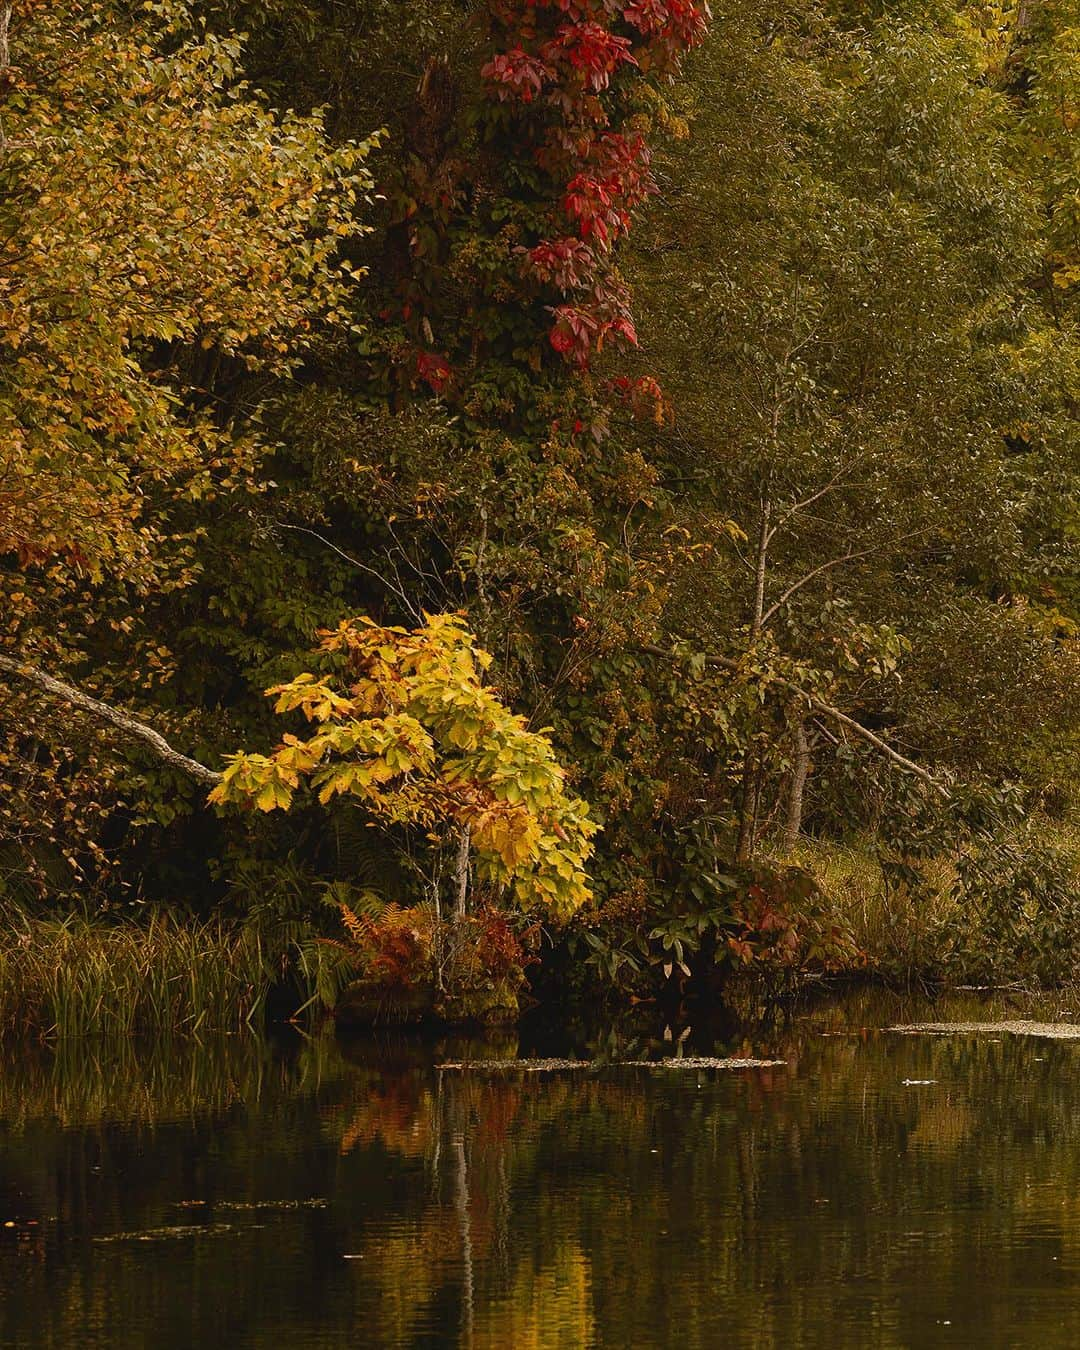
(717, 373)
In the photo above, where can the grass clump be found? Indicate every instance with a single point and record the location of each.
(901, 931)
(74, 976)
(1005, 909)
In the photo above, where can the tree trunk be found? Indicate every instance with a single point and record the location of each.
(799, 770)
(461, 876)
(748, 805)
(751, 775)
(761, 564)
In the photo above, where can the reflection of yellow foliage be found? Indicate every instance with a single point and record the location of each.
(545, 1310)
(1043, 1206)
(943, 1123)
(407, 1267)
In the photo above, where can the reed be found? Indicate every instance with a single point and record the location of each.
(74, 977)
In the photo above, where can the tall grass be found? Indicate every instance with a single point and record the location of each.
(1018, 928)
(899, 933)
(76, 977)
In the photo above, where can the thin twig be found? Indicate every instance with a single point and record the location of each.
(355, 562)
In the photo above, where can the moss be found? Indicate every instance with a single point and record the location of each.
(369, 1003)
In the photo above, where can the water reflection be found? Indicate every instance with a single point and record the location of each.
(876, 1190)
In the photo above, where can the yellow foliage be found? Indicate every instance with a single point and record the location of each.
(145, 200)
(408, 729)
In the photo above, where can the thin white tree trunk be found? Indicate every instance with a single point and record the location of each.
(796, 788)
(5, 57)
(461, 876)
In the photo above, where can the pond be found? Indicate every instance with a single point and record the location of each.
(875, 1189)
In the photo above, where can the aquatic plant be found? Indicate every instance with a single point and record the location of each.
(80, 977)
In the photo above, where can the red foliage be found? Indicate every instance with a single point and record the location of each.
(502, 949)
(673, 24)
(592, 50)
(580, 330)
(644, 395)
(393, 949)
(768, 933)
(517, 75)
(434, 370)
(594, 205)
(557, 83)
(605, 173)
(566, 264)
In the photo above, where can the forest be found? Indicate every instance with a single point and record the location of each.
(521, 501)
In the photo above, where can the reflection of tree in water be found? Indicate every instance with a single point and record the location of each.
(476, 1139)
(615, 1207)
(673, 1199)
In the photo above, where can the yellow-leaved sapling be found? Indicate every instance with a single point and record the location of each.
(403, 723)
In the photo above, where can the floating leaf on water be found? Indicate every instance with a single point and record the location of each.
(316, 1202)
(1054, 1031)
(549, 1065)
(176, 1231)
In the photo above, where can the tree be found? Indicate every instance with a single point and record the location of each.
(852, 236)
(407, 728)
(155, 217)
(162, 233)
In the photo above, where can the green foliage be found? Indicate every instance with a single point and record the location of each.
(166, 237)
(1021, 911)
(825, 512)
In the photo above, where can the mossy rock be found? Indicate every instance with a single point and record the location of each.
(366, 1003)
(493, 1005)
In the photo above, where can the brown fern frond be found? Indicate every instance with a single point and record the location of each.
(357, 927)
(337, 946)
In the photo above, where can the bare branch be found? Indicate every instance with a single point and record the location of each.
(836, 562)
(832, 484)
(105, 712)
(818, 705)
(355, 562)
(807, 578)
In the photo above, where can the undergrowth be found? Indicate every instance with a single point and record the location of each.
(74, 976)
(1005, 911)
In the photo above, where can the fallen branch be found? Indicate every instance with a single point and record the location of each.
(819, 705)
(105, 712)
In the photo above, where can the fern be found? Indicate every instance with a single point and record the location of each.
(359, 928)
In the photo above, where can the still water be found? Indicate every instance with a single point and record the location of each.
(877, 1189)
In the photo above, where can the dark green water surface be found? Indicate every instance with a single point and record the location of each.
(313, 1194)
